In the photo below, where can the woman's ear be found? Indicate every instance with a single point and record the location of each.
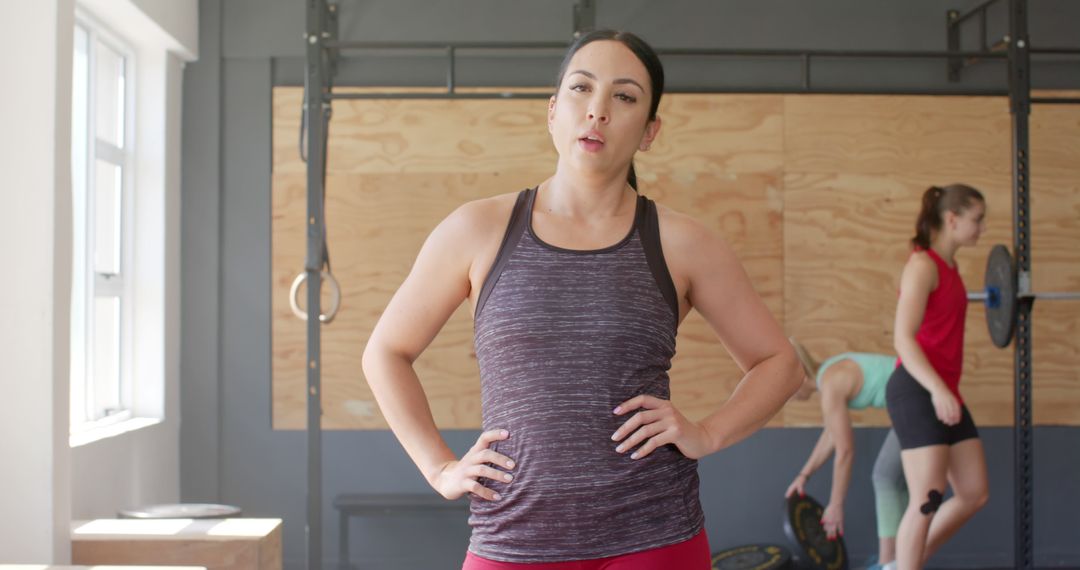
(651, 130)
(950, 219)
(551, 112)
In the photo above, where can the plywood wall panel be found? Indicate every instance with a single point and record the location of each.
(440, 136)
(377, 224)
(953, 137)
(817, 194)
(717, 135)
(746, 210)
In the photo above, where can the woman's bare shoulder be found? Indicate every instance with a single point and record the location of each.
(920, 266)
(478, 219)
(681, 233)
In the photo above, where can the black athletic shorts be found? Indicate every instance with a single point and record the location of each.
(914, 419)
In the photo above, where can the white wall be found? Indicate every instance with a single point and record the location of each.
(173, 24)
(179, 19)
(44, 483)
(35, 230)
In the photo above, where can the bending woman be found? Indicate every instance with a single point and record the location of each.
(852, 381)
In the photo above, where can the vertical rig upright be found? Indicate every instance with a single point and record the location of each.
(316, 108)
(1023, 445)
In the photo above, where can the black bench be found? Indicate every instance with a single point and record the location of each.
(370, 504)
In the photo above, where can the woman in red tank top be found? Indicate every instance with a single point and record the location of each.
(938, 438)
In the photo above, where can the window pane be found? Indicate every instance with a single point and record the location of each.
(106, 354)
(109, 79)
(108, 187)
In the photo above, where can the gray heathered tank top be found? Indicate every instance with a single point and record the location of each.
(562, 337)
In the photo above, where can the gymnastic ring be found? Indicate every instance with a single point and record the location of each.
(335, 297)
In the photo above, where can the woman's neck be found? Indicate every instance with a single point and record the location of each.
(946, 249)
(577, 196)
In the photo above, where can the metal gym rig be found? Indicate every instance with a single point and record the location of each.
(1008, 294)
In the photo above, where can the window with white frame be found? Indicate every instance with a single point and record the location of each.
(102, 160)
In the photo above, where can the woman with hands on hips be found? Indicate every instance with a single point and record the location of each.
(578, 286)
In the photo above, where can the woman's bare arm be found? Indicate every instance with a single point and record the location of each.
(435, 287)
(719, 288)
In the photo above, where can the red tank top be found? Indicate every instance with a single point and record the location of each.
(941, 334)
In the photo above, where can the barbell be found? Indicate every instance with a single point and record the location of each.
(1001, 297)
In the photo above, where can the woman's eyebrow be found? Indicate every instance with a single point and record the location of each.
(620, 81)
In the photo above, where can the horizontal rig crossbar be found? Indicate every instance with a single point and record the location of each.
(793, 89)
(442, 95)
(1047, 295)
(680, 52)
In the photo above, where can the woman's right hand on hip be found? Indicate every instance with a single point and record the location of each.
(463, 476)
(946, 406)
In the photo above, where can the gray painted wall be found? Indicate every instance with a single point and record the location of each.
(230, 454)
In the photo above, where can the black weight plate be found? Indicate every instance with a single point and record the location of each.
(1001, 296)
(753, 557)
(813, 549)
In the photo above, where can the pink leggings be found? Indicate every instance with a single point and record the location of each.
(692, 554)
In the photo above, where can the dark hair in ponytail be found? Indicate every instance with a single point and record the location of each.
(955, 198)
(644, 52)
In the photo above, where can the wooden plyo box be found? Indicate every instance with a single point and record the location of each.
(217, 544)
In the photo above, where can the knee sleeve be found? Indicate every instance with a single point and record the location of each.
(933, 502)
